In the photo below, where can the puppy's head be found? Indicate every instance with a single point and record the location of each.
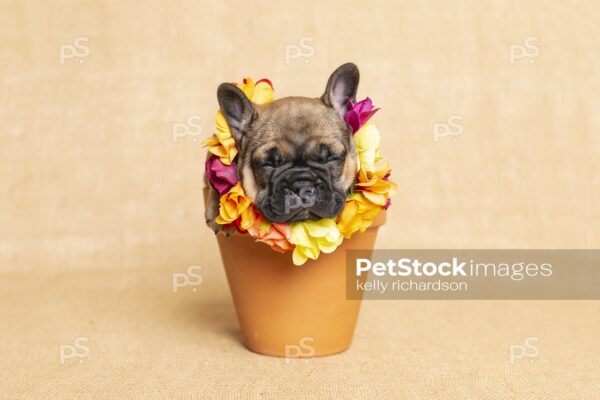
(297, 158)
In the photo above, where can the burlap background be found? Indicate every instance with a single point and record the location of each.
(99, 205)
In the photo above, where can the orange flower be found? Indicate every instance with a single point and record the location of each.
(375, 186)
(357, 215)
(274, 234)
(371, 194)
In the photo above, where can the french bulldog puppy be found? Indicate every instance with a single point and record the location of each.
(297, 157)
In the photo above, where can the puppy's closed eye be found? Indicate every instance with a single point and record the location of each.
(327, 155)
(273, 159)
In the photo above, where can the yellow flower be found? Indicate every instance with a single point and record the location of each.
(313, 237)
(221, 143)
(260, 92)
(367, 146)
(372, 191)
(374, 186)
(234, 205)
(357, 215)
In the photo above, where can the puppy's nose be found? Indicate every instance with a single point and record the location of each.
(302, 187)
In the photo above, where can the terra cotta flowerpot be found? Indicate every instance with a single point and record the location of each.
(286, 310)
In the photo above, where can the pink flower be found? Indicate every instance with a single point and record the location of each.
(274, 234)
(222, 177)
(359, 113)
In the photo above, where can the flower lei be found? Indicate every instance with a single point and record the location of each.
(307, 239)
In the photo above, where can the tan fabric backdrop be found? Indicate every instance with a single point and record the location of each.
(93, 179)
(90, 170)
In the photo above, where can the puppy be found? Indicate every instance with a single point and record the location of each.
(297, 158)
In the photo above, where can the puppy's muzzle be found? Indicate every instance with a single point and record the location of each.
(299, 194)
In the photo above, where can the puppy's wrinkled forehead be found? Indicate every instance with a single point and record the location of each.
(296, 125)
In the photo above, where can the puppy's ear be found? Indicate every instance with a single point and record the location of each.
(342, 85)
(236, 108)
